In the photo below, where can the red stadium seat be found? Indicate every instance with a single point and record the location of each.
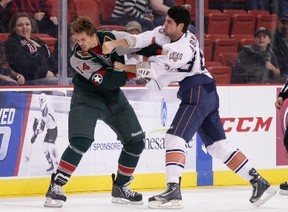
(4, 36)
(258, 12)
(217, 36)
(88, 8)
(243, 39)
(223, 45)
(222, 74)
(242, 24)
(217, 23)
(208, 64)
(231, 12)
(207, 49)
(268, 21)
(228, 59)
(106, 9)
(246, 41)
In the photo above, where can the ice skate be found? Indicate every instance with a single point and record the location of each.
(54, 196)
(284, 188)
(262, 191)
(171, 198)
(122, 194)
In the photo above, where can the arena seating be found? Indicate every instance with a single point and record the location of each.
(222, 74)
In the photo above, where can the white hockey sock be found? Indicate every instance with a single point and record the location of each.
(173, 173)
(244, 172)
(175, 158)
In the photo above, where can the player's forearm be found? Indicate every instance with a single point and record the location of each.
(126, 42)
(126, 68)
(109, 46)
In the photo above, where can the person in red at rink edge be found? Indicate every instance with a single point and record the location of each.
(182, 61)
(282, 96)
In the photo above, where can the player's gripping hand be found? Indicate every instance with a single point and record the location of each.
(126, 68)
(108, 47)
(279, 103)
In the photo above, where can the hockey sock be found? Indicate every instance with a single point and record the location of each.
(128, 161)
(70, 159)
(175, 158)
(233, 159)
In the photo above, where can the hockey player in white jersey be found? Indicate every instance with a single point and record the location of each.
(46, 120)
(182, 61)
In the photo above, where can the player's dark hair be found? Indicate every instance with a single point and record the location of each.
(83, 24)
(180, 15)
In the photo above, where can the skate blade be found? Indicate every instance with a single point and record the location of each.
(172, 204)
(52, 203)
(270, 192)
(117, 200)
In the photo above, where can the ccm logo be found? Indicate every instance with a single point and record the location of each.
(246, 124)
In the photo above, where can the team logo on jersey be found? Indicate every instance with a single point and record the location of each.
(175, 56)
(97, 79)
(83, 54)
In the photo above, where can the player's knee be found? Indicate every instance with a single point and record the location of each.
(80, 143)
(220, 150)
(135, 148)
(174, 142)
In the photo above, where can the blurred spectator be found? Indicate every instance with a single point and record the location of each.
(259, 5)
(41, 13)
(132, 10)
(160, 8)
(8, 77)
(27, 55)
(133, 27)
(4, 14)
(280, 45)
(281, 6)
(257, 63)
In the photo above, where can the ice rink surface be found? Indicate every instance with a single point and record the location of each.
(232, 199)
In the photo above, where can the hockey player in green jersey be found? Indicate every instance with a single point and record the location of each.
(97, 96)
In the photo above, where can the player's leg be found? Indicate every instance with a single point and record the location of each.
(212, 134)
(85, 109)
(195, 106)
(124, 123)
(175, 163)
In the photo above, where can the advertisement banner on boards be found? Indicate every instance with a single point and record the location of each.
(251, 124)
(44, 111)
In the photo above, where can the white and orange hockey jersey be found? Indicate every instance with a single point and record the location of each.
(178, 60)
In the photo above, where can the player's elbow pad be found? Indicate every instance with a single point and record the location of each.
(131, 40)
